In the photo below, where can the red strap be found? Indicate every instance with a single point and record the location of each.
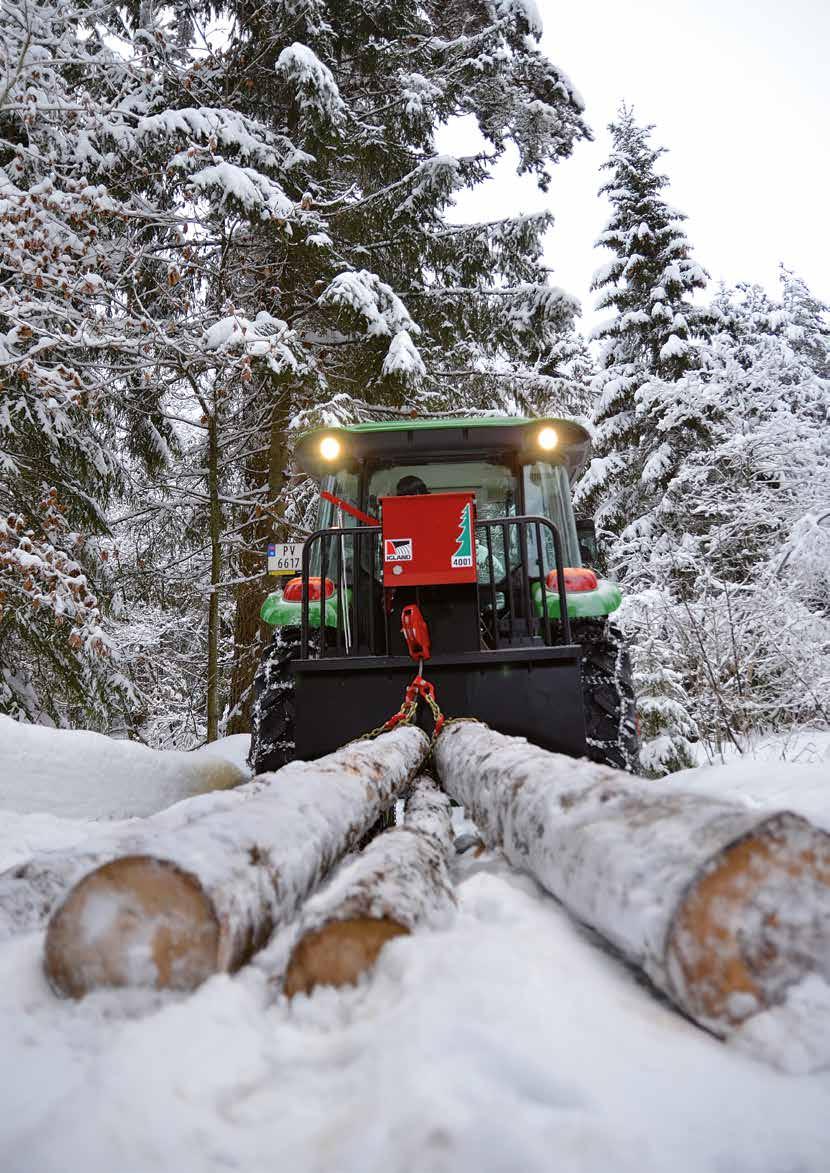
(350, 509)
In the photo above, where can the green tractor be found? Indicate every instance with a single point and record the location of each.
(450, 544)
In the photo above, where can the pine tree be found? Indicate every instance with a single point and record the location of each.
(103, 308)
(808, 325)
(739, 539)
(652, 335)
(396, 308)
(239, 237)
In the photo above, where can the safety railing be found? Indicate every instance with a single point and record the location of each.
(521, 571)
(354, 561)
(512, 558)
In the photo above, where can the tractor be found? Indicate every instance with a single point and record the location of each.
(450, 545)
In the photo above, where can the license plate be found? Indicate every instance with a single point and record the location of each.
(285, 558)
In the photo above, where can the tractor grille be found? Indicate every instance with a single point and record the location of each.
(514, 557)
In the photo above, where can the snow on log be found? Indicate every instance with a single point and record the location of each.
(186, 903)
(726, 908)
(400, 880)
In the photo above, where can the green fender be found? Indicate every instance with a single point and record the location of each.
(280, 612)
(581, 604)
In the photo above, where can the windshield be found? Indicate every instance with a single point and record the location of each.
(548, 494)
(494, 485)
(497, 492)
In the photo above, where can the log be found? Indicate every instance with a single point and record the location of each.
(399, 881)
(725, 908)
(30, 889)
(184, 904)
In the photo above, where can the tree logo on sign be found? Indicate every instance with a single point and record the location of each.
(463, 555)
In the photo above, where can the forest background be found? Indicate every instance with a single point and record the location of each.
(221, 225)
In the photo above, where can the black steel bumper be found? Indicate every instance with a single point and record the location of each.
(532, 692)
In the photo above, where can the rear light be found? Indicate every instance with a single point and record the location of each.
(577, 578)
(294, 590)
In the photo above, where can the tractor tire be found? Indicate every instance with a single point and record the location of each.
(274, 710)
(272, 714)
(608, 695)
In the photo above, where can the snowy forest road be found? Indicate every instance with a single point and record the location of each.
(503, 1037)
(508, 1042)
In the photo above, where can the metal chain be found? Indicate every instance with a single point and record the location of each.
(418, 688)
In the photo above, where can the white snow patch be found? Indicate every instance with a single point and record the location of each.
(77, 774)
(795, 1037)
(527, 10)
(510, 1042)
(100, 912)
(768, 784)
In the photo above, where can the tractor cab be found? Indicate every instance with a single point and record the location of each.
(450, 542)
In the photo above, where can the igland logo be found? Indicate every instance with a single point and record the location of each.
(463, 555)
(397, 550)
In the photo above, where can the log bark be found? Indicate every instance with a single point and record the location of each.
(724, 907)
(180, 906)
(399, 881)
(29, 891)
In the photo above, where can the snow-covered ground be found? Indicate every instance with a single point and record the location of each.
(510, 1042)
(82, 775)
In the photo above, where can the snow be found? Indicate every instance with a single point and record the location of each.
(81, 775)
(674, 348)
(800, 786)
(509, 1042)
(403, 358)
(252, 189)
(375, 301)
(507, 1038)
(527, 10)
(316, 88)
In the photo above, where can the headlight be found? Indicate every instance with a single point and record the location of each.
(547, 439)
(329, 448)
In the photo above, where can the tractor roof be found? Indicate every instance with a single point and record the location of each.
(445, 439)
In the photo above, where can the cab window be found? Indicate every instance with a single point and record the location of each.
(548, 494)
(494, 485)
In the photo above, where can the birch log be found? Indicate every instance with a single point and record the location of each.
(399, 881)
(185, 904)
(725, 908)
(30, 890)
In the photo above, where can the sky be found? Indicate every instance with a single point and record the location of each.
(739, 91)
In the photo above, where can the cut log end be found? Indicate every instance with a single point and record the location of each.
(137, 921)
(339, 953)
(754, 923)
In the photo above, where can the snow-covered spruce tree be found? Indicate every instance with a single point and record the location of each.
(397, 309)
(113, 292)
(740, 544)
(56, 463)
(664, 706)
(808, 322)
(643, 429)
(652, 334)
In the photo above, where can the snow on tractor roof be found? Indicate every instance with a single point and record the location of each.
(560, 440)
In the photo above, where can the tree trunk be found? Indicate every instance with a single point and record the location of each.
(178, 907)
(213, 711)
(724, 907)
(399, 881)
(249, 630)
